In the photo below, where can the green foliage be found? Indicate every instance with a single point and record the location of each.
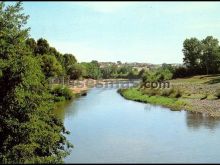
(68, 61)
(50, 66)
(157, 75)
(137, 95)
(125, 71)
(42, 47)
(210, 59)
(31, 44)
(92, 70)
(60, 92)
(166, 92)
(181, 72)
(200, 57)
(106, 72)
(30, 133)
(192, 49)
(76, 71)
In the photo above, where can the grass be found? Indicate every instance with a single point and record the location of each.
(197, 93)
(198, 87)
(201, 79)
(137, 95)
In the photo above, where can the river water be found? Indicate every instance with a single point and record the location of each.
(106, 128)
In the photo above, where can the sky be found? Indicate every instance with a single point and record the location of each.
(151, 32)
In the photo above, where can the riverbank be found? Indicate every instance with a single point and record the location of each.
(136, 95)
(80, 87)
(197, 94)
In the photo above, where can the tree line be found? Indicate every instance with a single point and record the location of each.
(54, 63)
(200, 57)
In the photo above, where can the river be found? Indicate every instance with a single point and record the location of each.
(106, 128)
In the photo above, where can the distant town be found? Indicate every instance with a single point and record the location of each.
(136, 65)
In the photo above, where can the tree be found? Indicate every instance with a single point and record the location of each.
(201, 56)
(31, 44)
(42, 47)
(68, 61)
(93, 70)
(192, 49)
(76, 71)
(210, 55)
(114, 71)
(106, 72)
(29, 132)
(167, 74)
(141, 73)
(50, 66)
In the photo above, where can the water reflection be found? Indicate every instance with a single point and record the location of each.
(106, 128)
(198, 120)
(61, 108)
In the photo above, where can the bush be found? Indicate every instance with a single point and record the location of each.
(59, 98)
(150, 92)
(176, 94)
(167, 92)
(181, 72)
(171, 92)
(60, 91)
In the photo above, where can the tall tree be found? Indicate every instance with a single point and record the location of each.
(192, 49)
(210, 55)
(68, 61)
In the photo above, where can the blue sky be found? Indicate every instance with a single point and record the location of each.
(151, 32)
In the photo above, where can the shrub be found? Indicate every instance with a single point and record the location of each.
(150, 92)
(167, 92)
(176, 93)
(59, 98)
(60, 91)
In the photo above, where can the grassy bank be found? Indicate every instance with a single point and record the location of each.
(137, 95)
(197, 93)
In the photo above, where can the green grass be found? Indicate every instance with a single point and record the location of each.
(136, 95)
(198, 87)
(201, 79)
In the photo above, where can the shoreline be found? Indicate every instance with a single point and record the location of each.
(86, 84)
(206, 107)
